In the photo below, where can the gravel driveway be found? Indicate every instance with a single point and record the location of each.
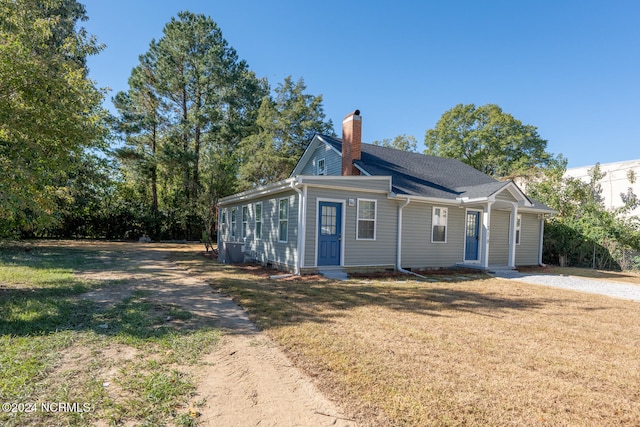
(581, 284)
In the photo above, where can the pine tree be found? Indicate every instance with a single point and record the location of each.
(286, 124)
(190, 99)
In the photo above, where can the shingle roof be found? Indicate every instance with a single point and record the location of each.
(416, 174)
(423, 175)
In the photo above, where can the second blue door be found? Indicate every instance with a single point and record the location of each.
(329, 233)
(472, 236)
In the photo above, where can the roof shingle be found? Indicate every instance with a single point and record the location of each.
(423, 175)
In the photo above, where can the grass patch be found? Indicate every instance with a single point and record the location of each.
(462, 350)
(128, 361)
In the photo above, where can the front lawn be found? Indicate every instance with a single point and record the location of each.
(457, 350)
(66, 360)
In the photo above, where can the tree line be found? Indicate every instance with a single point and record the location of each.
(196, 124)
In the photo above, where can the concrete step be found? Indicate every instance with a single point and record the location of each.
(334, 274)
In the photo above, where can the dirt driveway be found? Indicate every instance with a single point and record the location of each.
(247, 380)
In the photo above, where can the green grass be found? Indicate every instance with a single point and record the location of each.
(55, 346)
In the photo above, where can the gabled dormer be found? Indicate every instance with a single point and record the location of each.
(323, 157)
(320, 158)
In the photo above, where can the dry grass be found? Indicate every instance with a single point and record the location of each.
(465, 350)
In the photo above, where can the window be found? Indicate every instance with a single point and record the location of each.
(439, 225)
(233, 222)
(224, 216)
(321, 167)
(259, 220)
(518, 227)
(284, 219)
(366, 220)
(245, 220)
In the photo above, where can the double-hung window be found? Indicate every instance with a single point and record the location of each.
(283, 215)
(259, 220)
(245, 221)
(322, 167)
(439, 225)
(518, 228)
(366, 220)
(233, 222)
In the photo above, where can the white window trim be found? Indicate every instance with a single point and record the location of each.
(375, 219)
(322, 171)
(259, 221)
(280, 220)
(518, 230)
(233, 222)
(433, 224)
(245, 220)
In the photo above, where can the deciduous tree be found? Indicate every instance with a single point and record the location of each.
(491, 141)
(49, 109)
(584, 232)
(400, 142)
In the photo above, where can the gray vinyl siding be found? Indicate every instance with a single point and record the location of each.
(268, 248)
(499, 238)
(527, 250)
(380, 251)
(506, 197)
(333, 161)
(381, 183)
(417, 250)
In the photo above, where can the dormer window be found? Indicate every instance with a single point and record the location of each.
(321, 167)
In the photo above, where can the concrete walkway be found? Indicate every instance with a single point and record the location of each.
(581, 284)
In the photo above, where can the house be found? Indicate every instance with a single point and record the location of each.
(621, 179)
(354, 206)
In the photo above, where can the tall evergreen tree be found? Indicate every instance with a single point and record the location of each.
(286, 123)
(141, 124)
(190, 98)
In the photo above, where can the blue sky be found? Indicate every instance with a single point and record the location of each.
(570, 68)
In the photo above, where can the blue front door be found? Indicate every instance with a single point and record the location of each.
(472, 240)
(329, 233)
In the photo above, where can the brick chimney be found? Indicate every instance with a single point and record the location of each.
(351, 142)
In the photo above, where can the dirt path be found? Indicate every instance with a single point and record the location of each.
(247, 380)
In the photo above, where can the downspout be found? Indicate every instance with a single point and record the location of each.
(301, 225)
(399, 249)
(513, 220)
(541, 243)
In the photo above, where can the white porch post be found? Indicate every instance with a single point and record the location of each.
(512, 235)
(541, 241)
(486, 228)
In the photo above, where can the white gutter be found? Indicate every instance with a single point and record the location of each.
(259, 191)
(301, 225)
